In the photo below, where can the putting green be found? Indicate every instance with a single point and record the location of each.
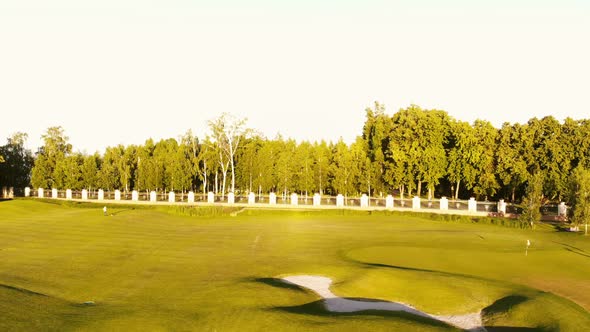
(160, 269)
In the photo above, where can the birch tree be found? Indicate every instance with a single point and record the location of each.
(227, 132)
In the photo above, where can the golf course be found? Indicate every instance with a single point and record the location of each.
(64, 266)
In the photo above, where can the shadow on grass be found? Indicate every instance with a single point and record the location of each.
(317, 308)
(569, 246)
(275, 282)
(121, 211)
(405, 268)
(22, 290)
(503, 305)
(577, 252)
(513, 329)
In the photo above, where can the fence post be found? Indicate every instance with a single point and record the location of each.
(153, 196)
(272, 199)
(472, 205)
(294, 199)
(501, 207)
(339, 200)
(444, 203)
(40, 192)
(364, 201)
(27, 191)
(562, 210)
(317, 199)
(84, 194)
(389, 202)
(416, 203)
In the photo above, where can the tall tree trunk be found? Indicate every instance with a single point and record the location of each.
(402, 188)
(321, 192)
(233, 175)
(419, 190)
(223, 185)
(429, 192)
(457, 189)
(205, 178)
(216, 183)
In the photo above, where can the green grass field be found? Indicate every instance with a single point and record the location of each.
(163, 269)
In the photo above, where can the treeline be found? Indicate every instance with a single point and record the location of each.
(16, 163)
(412, 152)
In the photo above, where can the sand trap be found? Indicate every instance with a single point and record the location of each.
(333, 303)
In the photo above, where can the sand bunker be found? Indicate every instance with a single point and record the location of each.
(333, 303)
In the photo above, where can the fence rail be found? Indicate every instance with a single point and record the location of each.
(550, 212)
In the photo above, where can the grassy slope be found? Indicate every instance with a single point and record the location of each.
(149, 269)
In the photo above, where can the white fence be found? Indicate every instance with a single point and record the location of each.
(293, 200)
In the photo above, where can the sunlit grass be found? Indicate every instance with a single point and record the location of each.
(165, 269)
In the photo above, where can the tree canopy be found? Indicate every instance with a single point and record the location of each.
(413, 151)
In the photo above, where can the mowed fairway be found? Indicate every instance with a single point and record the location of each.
(154, 270)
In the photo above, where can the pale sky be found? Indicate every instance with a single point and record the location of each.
(121, 71)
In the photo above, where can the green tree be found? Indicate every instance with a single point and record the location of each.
(227, 133)
(359, 164)
(109, 176)
(303, 168)
(511, 164)
(342, 170)
(321, 165)
(146, 172)
(126, 165)
(89, 172)
(532, 201)
(71, 168)
(580, 196)
(16, 163)
(549, 155)
(284, 167)
(183, 171)
(417, 147)
(484, 159)
(209, 161)
(45, 172)
(460, 138)
(246, 164)
(192, 148)
(265, 166)
(376, 138)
